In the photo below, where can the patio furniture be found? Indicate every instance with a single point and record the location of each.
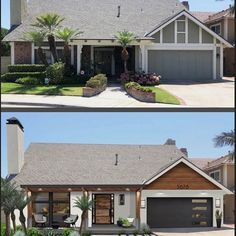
(40, 219)
(71, 220)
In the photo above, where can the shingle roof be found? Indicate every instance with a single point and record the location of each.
(219, 15)
(92, 164)
(201, 162)
(202, 16)
(98, 19)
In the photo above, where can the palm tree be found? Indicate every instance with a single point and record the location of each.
(125, 38)
(22, 202)
(50, 23)
(225, 139)
(66, 34)
(84, 204)
(38, 38)
(8, 194)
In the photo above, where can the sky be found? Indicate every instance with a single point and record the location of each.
(191, 130)
(195, 5)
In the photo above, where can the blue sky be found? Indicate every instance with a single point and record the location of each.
(191, 130)
(195, 5)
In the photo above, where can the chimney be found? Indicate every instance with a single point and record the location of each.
(18, 9)
(15, 145)
(116, 164)
(170, 141)
(184, 151)
(186, 4)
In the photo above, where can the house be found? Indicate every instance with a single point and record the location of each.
(154, 184)
(170, 40)
(222, 23)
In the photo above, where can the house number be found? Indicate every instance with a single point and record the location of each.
(182, 186)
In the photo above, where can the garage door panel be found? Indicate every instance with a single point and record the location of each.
(174, 65)
(179, 212)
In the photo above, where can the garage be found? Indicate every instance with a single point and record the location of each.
(181, 65)
(179, 212)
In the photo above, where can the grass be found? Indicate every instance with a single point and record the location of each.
(162, 96)
(63, 90)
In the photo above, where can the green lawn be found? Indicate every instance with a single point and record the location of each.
(163, 96)
(64, 90)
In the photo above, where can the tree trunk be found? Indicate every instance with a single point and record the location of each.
(67, 55)
(82, 223)
(13, 219)
(125, 67)
(42, 56)
(125, 58)
(22, 221)
(8, 224)
(52, 45)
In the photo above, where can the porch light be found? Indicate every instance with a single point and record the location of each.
(99, 189)
(143, 203)
(127, 189)
(69, 189)
(40, 189)
(218, 202)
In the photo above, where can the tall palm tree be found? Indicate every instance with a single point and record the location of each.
(8, 194)
(38, 37)
(66, 34)
(84, 204)
(225, 139)
(50, 23)
(125, 38)
(22, 202)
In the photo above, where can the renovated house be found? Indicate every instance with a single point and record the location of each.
(153, 184)
(170, 41)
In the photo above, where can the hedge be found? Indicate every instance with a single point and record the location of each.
(97, 81)
(137, 86)
(28, 81)
(26, 68)
(12, 77)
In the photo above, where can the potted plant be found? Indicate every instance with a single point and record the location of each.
(218, 218)
(120, 222)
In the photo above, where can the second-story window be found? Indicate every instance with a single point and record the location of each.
(215, 175)
(216, 29)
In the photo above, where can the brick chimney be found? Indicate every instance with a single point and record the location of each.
(170, 141)
(15, 145)
(184, 151)
(18, 10)
(186, 4)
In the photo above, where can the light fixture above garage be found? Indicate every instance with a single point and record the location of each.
(218, 202)
(143, 203)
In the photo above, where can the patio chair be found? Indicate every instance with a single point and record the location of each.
(40, 219)
(71, 220)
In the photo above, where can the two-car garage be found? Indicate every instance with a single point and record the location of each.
(179, 212)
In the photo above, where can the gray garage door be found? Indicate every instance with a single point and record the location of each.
(179, 212)
(180, 66)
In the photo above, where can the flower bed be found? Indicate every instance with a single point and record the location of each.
(95, 86)
(140, 93)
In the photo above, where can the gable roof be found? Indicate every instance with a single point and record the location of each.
(92, 164)
(191, 17)
(98, 19)
(202, 16)
(201, 162)
(220, 15)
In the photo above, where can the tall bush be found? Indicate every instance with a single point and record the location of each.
(55, 73)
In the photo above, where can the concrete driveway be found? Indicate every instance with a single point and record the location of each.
(224, 231)
(218, 94)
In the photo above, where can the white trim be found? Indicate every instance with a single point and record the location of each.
(72, 54)
(187, 14)
(79, 51)
(226, 28)
(221, 61)
(12, 53)
(225, 175)
(186, 29)
(189, 164)
(47, 47)
(32, 54)
(142, 47)
(161, 36)
(218, 24)
(176, 32)
(200, 35)
(216, 171)
(168, 46)
(214, 63)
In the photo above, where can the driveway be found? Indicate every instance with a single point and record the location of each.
(218, 94)
(224, 231)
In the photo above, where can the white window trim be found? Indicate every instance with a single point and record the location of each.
(218, 24)
(216, 171)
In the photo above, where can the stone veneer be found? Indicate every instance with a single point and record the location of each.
(23, 52)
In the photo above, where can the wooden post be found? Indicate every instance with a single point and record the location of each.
(138, 206)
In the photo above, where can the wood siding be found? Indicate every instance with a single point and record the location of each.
(181, 177)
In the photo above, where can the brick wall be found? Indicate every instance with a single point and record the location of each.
(22, 53)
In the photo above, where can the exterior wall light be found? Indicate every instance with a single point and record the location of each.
(218, 202)
(143, 203)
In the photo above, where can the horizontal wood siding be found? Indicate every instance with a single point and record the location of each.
(181, 177)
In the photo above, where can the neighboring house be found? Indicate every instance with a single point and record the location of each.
(222, 23)
(154, 184)
(170, 40)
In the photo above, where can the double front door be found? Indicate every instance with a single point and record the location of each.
(103, 209)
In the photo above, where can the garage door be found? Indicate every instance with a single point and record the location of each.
(179, 212)
(180, 66)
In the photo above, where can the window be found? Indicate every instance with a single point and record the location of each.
(215, 175)
(48, 55)
(216, 28)
(181, 30)
(121, 199)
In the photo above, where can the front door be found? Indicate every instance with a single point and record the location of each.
(103, 209)
(103, 61)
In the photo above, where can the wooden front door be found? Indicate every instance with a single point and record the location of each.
(103, 209)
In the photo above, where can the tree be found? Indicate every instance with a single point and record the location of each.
(37, 37)
(84, 204)
(225, 139)
(8, 196)
(66, 34)
(125, 38)
(50, 23)
(5, 46)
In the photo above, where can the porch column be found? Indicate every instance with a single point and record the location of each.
(138, 206)
(30, 211)
(221, 61)
(79, 52)
(142, 48)
(90, 218)
(32, 54)
(72, 52)
(12, 53)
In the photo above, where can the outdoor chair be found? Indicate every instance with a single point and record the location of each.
(71, 220)
(40, 220)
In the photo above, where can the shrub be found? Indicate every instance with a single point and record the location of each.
(12, 77)
(49, 232)
(26, 68)
(93, 83)
(33, 232)
(97, 81)
(55, 73)
(3, 230)
(19, 233)
(137, 87)
(74, 233)
(28, 81)
(86, 233)
(146, 229)
(66, 232)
